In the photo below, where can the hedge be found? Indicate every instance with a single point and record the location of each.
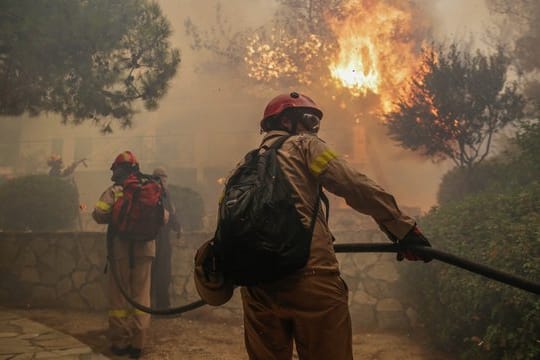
(38, 203)
(468, 314)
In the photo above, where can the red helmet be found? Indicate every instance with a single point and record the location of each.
(285, 101)
(54, 160)
(125, 157)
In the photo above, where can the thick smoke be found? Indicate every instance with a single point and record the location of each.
(210, 117)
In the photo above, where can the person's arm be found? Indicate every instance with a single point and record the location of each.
(360, 192)
(102, 212)
(365, 196)
(71, 168)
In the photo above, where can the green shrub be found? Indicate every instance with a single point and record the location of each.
(466, 313)
(189, 207)
(459, 183)
(38, 203)
(529, 143)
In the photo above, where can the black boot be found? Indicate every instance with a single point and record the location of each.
(134, 353)
(120, 351)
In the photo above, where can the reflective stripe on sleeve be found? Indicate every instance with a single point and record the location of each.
(119, 313)
(118, 194)
(321, 162)
(102, 205)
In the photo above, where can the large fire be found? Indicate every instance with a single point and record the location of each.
(357, 68)
(370, 49)
(377, 52)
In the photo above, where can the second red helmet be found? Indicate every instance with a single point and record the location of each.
(125, 157)
(285, 101)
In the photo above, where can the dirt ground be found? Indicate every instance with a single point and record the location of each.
(196, 336)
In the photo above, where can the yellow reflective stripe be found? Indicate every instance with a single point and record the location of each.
(119, 313)
(102, 205)
(321, 162)
(118, 194)
(138, 312)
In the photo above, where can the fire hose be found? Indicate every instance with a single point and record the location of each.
(480, 269)
(454, 260)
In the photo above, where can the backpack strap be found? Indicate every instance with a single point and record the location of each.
(315, 212)
(326, 202)
(276, 144)
(321, 196)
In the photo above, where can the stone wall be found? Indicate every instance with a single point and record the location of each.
(53, 269)
(66, 270)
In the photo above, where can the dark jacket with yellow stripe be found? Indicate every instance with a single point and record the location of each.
(308, 162)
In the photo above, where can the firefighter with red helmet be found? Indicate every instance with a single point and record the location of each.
(132, 261)
(310, 306)
(56, 165)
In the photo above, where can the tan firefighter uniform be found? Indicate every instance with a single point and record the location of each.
(312, 304)
(127, 326)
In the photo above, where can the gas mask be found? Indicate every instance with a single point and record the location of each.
(310, 122)
(120, 173)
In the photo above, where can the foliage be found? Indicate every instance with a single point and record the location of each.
(189, 207)
(517, 166)
(287, 50)
(466, 313)
(86, 60)
(529, 142)
(457, 103)
(38, 203)
(524, 16)
(459, 182)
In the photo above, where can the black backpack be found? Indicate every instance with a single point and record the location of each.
(260, 237)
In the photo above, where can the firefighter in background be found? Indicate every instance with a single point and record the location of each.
(161, 268)
(127, 326)
(56, 165)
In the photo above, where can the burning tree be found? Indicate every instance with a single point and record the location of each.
(350, 55)
(86, 60)
(354, 48)
(455, 105)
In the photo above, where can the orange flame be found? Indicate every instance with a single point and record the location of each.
(369, 48)
(357, 68)
(376, 49)
(274, 58)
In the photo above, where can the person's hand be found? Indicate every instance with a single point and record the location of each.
(413, 238)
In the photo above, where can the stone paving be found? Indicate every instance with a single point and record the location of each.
(21, 338)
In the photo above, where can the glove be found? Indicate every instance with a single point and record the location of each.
(414, 238)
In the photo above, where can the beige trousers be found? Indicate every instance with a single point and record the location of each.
(128, 326)
(312, 310)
